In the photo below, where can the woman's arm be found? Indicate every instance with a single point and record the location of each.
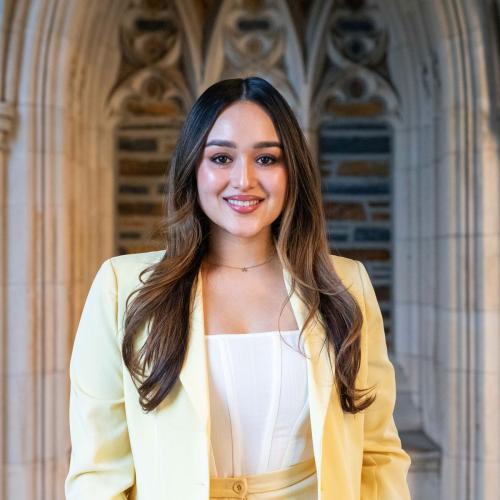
(385, 463)
(101, 460)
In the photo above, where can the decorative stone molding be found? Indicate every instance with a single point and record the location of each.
(148, 102)
(257, 38)
(150, 82)
(355, 68)
(58, 151)
(7, 122)
(352, 109)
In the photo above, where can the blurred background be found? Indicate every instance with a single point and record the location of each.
(399, 100)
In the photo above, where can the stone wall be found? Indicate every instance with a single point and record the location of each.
(70, 195)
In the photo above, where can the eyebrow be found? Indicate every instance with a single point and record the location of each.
(257, 145)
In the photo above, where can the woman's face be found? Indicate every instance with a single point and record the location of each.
(242, 177)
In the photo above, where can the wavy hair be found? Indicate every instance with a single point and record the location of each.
(164, 299)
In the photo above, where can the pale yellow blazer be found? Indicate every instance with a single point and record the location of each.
(119, 451)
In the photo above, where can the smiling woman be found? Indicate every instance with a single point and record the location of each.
(242, 172)
(183, 385)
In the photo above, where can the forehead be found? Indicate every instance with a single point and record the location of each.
(243, 119)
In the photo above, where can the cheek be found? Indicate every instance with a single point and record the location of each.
(276, 182)
(209, 180)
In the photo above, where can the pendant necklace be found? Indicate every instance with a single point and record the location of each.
(243, 269)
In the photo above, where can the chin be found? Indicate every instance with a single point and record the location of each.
(241, 232)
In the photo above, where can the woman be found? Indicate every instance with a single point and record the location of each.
(243, 361)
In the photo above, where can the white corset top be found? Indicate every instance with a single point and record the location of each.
(259, 402)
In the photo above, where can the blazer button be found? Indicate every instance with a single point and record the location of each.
(238, 486)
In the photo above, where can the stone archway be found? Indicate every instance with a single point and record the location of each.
(60, 60)
(446, 235)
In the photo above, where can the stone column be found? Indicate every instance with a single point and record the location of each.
(446, 240)
(57, 183)
(7, 113)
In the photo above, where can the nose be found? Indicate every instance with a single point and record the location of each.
(243, 173)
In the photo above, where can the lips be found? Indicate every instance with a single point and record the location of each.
(243, 204)
(243, 197)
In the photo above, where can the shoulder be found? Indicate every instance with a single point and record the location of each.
(353, 275)
(347, 269)
(344, 264)
(127, 268)
(135, 260)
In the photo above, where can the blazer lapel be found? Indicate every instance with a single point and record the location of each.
(194, 373)
(319, 373)
(196, 362)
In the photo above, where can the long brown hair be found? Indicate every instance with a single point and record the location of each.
(164, 299)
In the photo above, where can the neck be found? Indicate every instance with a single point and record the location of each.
(230, 250)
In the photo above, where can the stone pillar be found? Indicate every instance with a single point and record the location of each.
(7, 113)
(446, 239)
(57, 181)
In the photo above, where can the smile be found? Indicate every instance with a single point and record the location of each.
(243, 206)
(243, 203)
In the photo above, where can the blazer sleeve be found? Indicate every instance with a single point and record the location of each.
(101, 464)
(385, 463)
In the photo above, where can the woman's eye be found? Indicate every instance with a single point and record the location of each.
(267, 160)
(220, 159)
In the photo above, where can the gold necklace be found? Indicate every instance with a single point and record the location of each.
(243, 269)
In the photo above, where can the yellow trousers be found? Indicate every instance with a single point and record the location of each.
(297, 482)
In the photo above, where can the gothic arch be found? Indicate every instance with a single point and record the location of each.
(226, 51)
(445, 176)
(67, 55)
(59, 61)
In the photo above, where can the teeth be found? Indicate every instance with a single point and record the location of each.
(243, 203)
